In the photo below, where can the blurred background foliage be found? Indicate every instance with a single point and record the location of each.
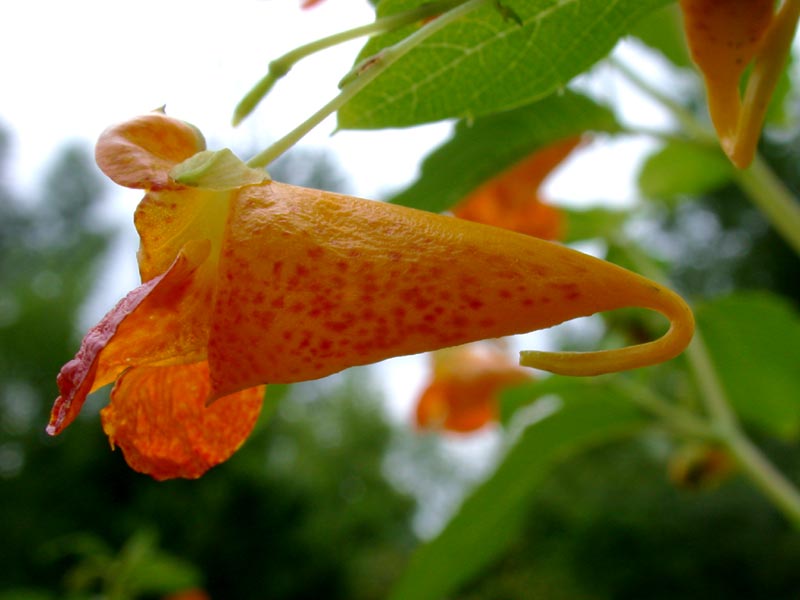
(310, 507)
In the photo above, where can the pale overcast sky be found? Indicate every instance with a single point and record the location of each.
(69, 69)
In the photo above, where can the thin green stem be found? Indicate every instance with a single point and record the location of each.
(759, 182)
(783, 493)
(771, 196)
(673, 416)
(713, 394)
(724, 424)
(279, 67)
(763, 473)
(684, 117)
(359, 78)
(659, 134)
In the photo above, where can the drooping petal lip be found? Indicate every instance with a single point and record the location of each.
(159, 418)
(92, 368)
(78, 378)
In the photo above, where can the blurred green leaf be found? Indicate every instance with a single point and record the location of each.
(753, 340)
(662, 30)
(590, 223)
(161, 573)
(140, 567)
(569, 389)
(684, 168)
(484, 63)
(25, 594)
(480, 150)
(491, 517)
(779, 110)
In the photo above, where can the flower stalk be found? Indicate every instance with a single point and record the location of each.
(758, 181)
(279, 67)
(361, 76)
(722, 423)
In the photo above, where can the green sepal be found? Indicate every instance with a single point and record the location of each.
(217, 170)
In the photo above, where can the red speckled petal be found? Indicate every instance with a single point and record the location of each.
(140, 152)
(311, 283)
(165, 319)
(159, 418)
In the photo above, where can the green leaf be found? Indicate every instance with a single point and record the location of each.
(662, 30)
(478, 151)
(753, 340)
(491, 517)
(683, 168)
(591, 223)
(483, 63)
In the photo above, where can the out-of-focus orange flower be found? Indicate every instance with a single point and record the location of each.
(309, 3)
(725, 37)
(512, 199)
(462, 393)
(248, 281)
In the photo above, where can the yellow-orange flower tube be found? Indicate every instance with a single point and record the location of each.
(248, 281)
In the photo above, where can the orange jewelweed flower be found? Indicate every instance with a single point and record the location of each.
(512, 200)
(462, 394)
(248, 281)
(724, 37)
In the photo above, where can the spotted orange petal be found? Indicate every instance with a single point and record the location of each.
(311, 283)
(159, 418)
